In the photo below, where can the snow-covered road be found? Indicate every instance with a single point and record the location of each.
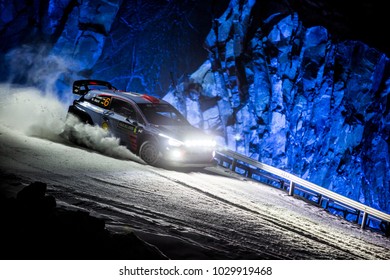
(209, 214)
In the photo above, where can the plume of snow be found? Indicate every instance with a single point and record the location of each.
(41, 114)
(96, 138)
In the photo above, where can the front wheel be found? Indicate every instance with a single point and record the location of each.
(149, 152)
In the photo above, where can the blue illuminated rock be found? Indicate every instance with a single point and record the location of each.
(308, 105)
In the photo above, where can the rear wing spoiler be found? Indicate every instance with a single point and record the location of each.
(81, 87)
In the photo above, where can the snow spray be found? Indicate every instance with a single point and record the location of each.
(43, 115)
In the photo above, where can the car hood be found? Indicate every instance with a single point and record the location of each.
(182, 132)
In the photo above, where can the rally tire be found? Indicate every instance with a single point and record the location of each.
(149, 152)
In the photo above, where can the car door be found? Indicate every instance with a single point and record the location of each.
(121, 121)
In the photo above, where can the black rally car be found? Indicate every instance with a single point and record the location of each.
(148, 126)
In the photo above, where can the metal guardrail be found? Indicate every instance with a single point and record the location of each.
(296, 183)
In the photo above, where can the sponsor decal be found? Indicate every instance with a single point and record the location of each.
(127, 126)
(105, 126)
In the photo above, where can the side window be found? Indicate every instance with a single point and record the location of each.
(123, 108)
(101, 101)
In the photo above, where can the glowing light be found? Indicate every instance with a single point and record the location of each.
(201, 143)
(176, 154)
(190, 143)
(174, 142)
(171, 141)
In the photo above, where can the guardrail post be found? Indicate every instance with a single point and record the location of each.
(364, 220)
(320, 199)
(234, 164)
(292, 187)
(249, 174)
(357, 216)
(282, 184)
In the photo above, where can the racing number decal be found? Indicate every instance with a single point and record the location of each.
(106, 101)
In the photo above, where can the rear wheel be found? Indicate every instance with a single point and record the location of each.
(149, 152)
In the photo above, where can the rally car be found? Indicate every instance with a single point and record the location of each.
(148, 126)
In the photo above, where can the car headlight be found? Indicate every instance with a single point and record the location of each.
(171, 141)
(190, 143)
(174, 142)
(201, 143)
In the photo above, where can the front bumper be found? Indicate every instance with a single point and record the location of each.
(179, 157)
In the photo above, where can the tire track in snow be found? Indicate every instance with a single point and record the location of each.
(249, 239)
(314, 234)
(142, 216)
(154, 222)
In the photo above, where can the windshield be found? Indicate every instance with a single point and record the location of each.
(162, 114)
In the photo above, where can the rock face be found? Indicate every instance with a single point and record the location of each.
(310, 99)
(293, 98)
(141, 46)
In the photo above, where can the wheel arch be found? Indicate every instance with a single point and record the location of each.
(83, 116)
(144, 138)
